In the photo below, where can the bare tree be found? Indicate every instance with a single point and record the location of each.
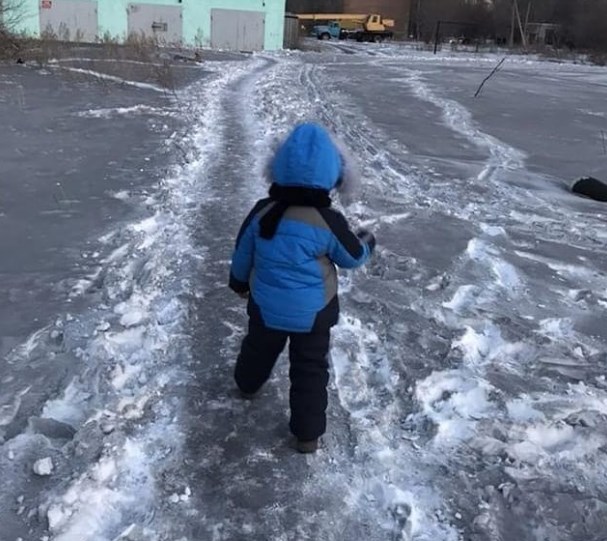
(589, 28)
(12, 13)
(579, 23)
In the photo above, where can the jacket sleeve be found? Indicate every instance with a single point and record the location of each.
(242, 258)
(346, 249)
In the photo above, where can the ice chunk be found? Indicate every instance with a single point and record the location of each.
(121, 195)
(521, 410)
(107, 426)
(55, 516)
(103, 326)
(464, 296)
(455, 401)
(44, 466)
(478, 346)
(133, 318)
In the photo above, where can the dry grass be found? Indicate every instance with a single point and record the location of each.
(9, 45)
(140, 58)
(598, 58)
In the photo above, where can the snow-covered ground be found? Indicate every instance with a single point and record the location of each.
(469, 398)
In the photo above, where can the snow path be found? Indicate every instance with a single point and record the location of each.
(245, 478)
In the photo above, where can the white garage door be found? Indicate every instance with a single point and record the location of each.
(237, 30)
(69, 20)
(163, 23)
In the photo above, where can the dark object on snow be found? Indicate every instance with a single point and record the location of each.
(591, 187)
(309, 373)
(493, 72)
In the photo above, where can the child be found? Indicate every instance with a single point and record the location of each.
(285, 258)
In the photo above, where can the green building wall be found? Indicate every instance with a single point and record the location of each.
(112, 18)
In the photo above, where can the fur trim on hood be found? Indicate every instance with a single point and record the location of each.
(350, 174)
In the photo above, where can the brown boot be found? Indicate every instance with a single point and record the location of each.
(307, 447)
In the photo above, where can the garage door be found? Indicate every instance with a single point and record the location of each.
(69, 20)
(163, 23)
(237, 30)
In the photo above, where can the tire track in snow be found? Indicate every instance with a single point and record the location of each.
(504, 166)
(502, 157)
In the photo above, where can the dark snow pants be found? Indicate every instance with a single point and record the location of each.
(309, 373)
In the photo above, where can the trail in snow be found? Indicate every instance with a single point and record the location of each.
(115, 79)
(240, 460)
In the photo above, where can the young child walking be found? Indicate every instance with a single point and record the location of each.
(284, 263)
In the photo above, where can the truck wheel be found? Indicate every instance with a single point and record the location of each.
(378, 39)
(326, 36)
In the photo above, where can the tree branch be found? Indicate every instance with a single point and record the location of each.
(493, 72)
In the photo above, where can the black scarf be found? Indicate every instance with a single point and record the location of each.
(285, 197)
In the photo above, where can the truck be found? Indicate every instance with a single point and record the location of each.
(331, 30)
(360, 27)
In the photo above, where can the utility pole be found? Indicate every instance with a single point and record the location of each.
(520, 25)
(437, 35)
(512, 23)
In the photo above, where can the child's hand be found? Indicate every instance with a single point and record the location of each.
(367, 237)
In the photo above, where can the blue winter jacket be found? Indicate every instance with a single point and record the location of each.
(291, 276)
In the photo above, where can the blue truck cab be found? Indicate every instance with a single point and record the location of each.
(332, 30)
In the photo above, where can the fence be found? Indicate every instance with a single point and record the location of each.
(291, 38)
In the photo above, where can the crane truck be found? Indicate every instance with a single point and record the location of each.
(360, 27)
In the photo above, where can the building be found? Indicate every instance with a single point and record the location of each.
(244, 25)
(315, 6)
(543, 33)
(399, 10)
